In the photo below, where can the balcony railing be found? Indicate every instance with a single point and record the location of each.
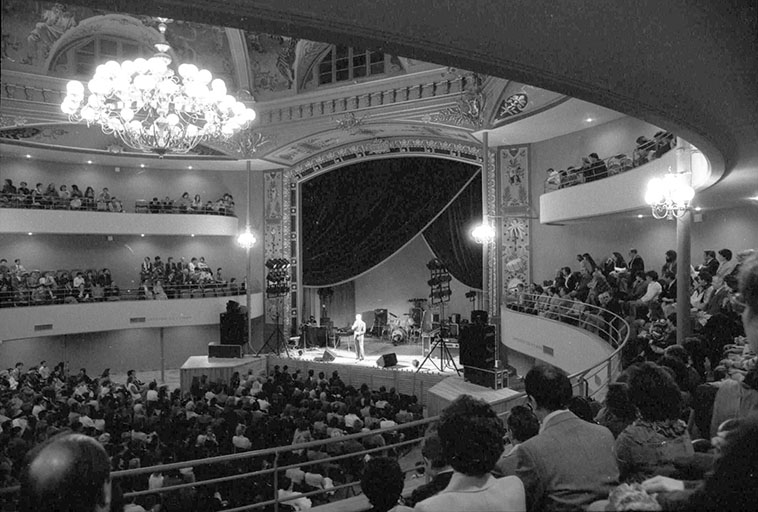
(608, 326)
(25, 297)
(612, 165)
(93, 205)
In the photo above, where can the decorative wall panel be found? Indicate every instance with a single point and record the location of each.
(514, 214)
(276, 241)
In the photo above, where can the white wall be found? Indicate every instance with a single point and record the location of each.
(402, 277)
(565, 346)
(16, 323)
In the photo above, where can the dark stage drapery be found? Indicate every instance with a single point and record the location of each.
(355, 217)
(449, 236)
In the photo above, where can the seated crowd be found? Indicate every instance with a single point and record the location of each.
(161, 280)
(62, 198)
(640, 449)
(594, 168)
(58, 198)
(142, 425)
(22, 287)
(221, 206)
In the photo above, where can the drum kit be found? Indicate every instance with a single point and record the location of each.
(408, 329)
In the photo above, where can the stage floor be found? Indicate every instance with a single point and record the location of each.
(376, 347)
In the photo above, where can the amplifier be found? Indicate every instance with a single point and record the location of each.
(494, 378)
(224, 351)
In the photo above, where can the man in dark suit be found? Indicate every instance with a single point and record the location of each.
(436, 466)
(570, 463)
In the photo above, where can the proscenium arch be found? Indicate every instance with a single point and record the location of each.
(332, 159)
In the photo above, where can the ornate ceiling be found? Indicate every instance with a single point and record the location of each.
(296, 118)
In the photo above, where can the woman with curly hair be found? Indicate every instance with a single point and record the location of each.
(471, 435)
(650, 445)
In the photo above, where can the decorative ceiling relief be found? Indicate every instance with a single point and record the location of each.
(511, 106)
(401, 146)
(467, 111)
(272, 64)
(246, 144)
(350, 122)
(356, 131)
(517, 101)
(30, 29)
(38, 133)
(46, 36)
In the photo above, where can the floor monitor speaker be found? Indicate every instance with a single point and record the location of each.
(328, 356)
(224, 351)
(387, 360)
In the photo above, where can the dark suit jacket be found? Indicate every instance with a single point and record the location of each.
(568, 465)
(438, 484)
(636, 264)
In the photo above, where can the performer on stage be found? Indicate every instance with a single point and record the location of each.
(359, 329)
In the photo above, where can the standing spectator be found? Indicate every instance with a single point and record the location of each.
(570, 463)
(103, 199)
(710, 263)
(670, 265)
(89, 198)
(635, 263)
(471, 435)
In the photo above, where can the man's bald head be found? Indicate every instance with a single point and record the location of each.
(68, 473)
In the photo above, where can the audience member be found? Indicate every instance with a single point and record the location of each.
(651, 444)
(570, 463)
(521, 425)
(382, 483)
(437, 468)
(471, 435)
(69, 472)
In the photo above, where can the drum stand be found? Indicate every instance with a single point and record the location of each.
(446, 358)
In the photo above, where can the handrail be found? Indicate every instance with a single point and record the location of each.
(23, 297)
(614, 165)
(26, 202)
(615, 331)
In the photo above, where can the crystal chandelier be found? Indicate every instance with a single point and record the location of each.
(670, 196)
(151, 109)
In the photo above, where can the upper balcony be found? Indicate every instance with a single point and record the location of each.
(618, 190)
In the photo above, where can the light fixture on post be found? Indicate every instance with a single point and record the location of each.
(484, 233)
(670, 196)
(151, 109)
(247, 240)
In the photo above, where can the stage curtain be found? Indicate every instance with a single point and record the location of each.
(355, 217)
(450, 240)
